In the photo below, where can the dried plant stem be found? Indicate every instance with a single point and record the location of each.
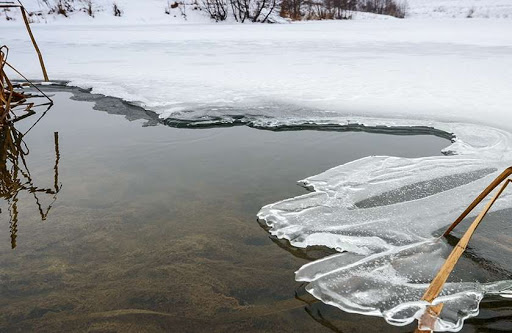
(436, 286)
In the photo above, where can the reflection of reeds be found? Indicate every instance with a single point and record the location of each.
(15, 176)
(15, 105)
(14, 173)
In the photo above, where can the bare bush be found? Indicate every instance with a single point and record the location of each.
(317, 9)
(88, 8)
(394, 8)
(292, 9)
(256, 11)
(339, 9)
(240, 9)
(6, 14)
(61, 7)
(117, 11)
(217, 9)
(65, 7)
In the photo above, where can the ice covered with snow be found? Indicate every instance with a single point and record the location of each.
(460, 9)
(450, 75)
(449, 70)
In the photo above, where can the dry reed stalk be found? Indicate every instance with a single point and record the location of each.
(432, 312)
(10, 4)
(9, 98)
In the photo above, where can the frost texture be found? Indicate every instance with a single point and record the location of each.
(386, 214)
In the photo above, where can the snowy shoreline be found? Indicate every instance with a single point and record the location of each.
(159, 11)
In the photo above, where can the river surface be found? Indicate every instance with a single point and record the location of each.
(153, 228)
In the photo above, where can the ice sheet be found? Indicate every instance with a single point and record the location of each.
(390, 285)
(386, 213)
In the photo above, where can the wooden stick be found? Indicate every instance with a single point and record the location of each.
(23, 12)
(481, 196)
(432, 312)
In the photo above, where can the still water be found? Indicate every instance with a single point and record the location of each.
(132, 228)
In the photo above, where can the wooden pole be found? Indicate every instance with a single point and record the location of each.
(23, 12)
(436, 286)
(480, 197)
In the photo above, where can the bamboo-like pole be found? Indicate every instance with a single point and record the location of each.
(507, 172)
(429, 317)
(5, 86)
(3, 100)
(41, 61)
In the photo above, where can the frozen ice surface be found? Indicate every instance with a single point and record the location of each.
(455, 70)
(386, 213)
(391, 284)
(459, 8)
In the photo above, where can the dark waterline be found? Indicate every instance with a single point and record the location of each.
(155, 230)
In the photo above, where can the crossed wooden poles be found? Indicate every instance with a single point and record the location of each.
(432, 312)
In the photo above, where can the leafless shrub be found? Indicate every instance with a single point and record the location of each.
(62, 7)
(117, 11)
(88, 8)
(253, 10)
(240, 9)
(318, 9)
(183, 9)
(180, 5)
(6, 14)
(470, 13)
(217, 9)
(292, 9)
(394, 8)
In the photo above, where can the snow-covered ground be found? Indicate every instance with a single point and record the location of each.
(189, 11)
(460, 9)
(446, 70)
(450, 74)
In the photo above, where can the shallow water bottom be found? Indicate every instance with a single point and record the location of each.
(154, 229)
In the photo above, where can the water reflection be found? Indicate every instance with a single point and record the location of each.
(15, 176)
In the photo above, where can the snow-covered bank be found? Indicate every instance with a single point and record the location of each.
(459, 9)
(449, 70)
(453, 75)
(192, 11)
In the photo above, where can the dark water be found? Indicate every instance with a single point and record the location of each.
(153, 229)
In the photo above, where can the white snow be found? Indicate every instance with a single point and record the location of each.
(153, 11)
(460, 9)
(133, 12)
(450, 74)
